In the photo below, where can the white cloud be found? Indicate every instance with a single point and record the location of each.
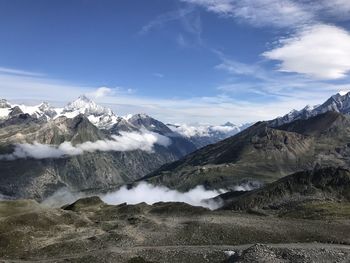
(162, 19)
(19, 72)
(278, 13)
(127, 141)
(151, 194)
(143, 192)
(101, 92)
(158, 75)
(320, 51)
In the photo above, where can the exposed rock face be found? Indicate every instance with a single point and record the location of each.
(15, 111)
(202, 135)
(336, 103)
(91, 231)
(316, 185)
(32, 178)
(263, 153)
(4, 104)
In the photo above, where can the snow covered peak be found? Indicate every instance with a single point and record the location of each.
(140, 116)
(5, 109)
(229, 124)
(84, 105)
(338, 103)
(309, 107)
(42, 111)
(4, 104)
(100, 116)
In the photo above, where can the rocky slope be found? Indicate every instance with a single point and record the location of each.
(91, 231)
(39, 177)
(203, 135)
(263, 153)
(315, 186)
(105, 118)
(336, 103)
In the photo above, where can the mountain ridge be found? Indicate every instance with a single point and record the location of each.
(262, 153)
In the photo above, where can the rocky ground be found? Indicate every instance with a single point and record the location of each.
(91, 231)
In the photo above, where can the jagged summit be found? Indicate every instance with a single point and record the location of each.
(140, 116)
(4, 104)
(338, 103)
(143, 120)
(100, 116)
(229, 124)
(87, 106)
(204, 134)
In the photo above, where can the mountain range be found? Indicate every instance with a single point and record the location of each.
(37, 136)
(267, 150)
(337, 103)
(87, 147)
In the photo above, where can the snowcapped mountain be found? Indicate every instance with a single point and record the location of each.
(5, 109)
(338, 103)
(105, 118)
(143, 121)
(100, 116)
(202, 135)
(84, 105)
(41, 111)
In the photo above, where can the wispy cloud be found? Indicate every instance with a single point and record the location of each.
(12, 71)
(278, 13)
(187, 18)
(165, 18)
(158, 75)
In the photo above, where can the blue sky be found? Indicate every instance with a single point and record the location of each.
(178, 60)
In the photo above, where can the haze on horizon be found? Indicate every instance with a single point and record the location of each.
(208, 61)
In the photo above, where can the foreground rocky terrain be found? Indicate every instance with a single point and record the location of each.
(303, 217)
(91, 231)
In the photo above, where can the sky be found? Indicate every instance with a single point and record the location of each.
(180, 61)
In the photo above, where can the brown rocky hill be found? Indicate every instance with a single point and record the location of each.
(263, 153)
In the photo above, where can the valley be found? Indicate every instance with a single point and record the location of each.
(276, 187)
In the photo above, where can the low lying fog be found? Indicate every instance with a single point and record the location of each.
(151, 194)
(127, 141)
(143, 192)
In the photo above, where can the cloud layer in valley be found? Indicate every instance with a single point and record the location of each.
(143, 192)
(127, 141)
(151, 194)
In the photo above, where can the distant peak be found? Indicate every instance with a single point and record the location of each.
(230, 124)
(343, 93)
(45, 104)
(309, 107)
(84, 98)
(87, 106)
(4, 104)
(336, 96)
(141, 115)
